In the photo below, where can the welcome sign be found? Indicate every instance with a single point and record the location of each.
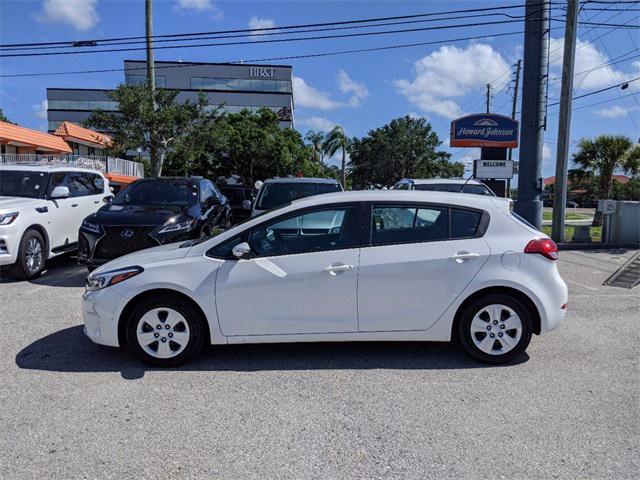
(484, 130)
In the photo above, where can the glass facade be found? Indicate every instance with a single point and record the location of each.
(161, 81)
(82, 105)
(211, 83)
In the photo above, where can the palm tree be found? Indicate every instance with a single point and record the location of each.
(337, 140)
(604, 155)
(316, 139)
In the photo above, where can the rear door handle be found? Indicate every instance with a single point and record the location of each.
(74, 204)
(462, 256)
(334, 269)
(96, 201)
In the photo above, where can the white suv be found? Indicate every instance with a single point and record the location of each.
(41, 210)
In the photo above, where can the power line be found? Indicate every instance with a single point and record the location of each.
(259, 33)
(288, 57)
(280, 28)
(280, 40)
(610, 100)
(601, 90)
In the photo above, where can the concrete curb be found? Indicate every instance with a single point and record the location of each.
(598, 246)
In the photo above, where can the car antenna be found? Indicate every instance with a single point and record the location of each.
(465, 183)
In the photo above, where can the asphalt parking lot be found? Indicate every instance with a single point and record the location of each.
(570, 409)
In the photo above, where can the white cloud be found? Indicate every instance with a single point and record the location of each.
(307, 96)
(616, 111)
(317, 123)
(80, 14)
(41, 109)
(199, 6)
(258, 24)
(348, 85)
(588, 57)
(451, 72)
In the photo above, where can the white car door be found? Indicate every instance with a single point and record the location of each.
(61, 214)
(302, 277)
(417, 265)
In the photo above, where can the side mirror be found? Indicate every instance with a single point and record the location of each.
(258, 184)
(246, 204)
(242, 251)
(60, 192)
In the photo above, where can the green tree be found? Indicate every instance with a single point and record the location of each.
(602, 157)
(157, 123)
(405, 147)
(251, 145)
(334, 141)
(316, 139)
(3, 118)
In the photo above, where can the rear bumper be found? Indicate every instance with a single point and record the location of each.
(554, 295)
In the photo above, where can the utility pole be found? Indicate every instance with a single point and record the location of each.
(534, 89)
(564, 123)
(513, 115)
(148, 17)
(488, 95)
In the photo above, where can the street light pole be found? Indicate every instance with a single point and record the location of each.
(564, 123)
(148, 17)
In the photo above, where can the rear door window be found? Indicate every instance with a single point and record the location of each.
(409, 224)
(464, 223)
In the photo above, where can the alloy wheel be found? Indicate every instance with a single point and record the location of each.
(163, 333)
(496, 329)
(33, 255)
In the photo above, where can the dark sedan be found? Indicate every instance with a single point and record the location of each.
(152, 212)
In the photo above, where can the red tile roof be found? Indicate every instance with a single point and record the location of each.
(617, 178)
(71, 131)
(33, 138)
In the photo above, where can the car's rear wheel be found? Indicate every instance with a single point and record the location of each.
(165, 332)
(31, 256)
(495, 328)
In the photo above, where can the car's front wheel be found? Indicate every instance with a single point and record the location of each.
(495, 328)
(31, 256)
(165, 332)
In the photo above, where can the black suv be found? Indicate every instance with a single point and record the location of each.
(151, 212)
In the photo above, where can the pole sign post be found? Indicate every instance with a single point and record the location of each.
(484, 130)
(499, 169)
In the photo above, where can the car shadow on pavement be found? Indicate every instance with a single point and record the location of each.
(69, 350)
(62, 271)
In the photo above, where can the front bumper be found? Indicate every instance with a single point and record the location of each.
(9, 243)
(100, 313)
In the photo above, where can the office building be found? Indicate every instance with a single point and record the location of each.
(236, 86)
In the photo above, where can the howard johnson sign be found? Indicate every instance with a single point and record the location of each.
(484, 130)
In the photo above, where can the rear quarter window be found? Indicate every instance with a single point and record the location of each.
(464, 223)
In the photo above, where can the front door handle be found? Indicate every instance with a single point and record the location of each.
(74, 204)
(462, 256)
(334, 269)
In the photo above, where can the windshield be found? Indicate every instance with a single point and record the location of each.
(16, 183)
(455, 187)
(274, 194)
(162, 191)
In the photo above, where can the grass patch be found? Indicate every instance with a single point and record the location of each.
(567, 216)
(596, 232)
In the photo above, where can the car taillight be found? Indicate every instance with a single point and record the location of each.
(543, 246)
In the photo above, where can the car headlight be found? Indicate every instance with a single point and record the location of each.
(8, 218)
(173, 226)
(102, 280)
(92, 227)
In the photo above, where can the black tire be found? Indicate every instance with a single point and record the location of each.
(496, 358)
(24, 269)
(192, 316)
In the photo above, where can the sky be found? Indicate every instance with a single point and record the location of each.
(360, 91)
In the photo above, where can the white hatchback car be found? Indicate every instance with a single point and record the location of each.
(350, 266)
(41, 210)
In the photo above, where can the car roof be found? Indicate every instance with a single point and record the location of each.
(48, 168)
(301, 180)
(450, 181)
(446, 198)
